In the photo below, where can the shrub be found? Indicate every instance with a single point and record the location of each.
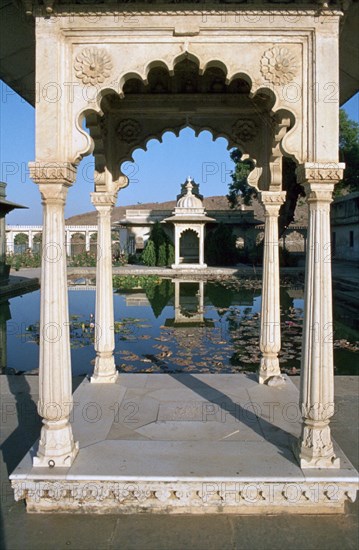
(171, 254)
(149, 254)
(162, 255)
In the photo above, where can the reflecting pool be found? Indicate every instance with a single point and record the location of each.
(170, 326)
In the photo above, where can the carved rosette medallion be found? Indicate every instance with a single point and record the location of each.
(129, 130)
(93, 66)
(245, 130)
(279, 65)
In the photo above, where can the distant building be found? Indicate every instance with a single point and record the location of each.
(135, 225)
(5, 208)
(345, 227)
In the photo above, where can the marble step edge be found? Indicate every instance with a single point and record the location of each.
(191, 496)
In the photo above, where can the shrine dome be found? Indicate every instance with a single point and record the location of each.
(189, 200)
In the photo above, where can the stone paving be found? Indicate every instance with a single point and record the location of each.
(186, 443)
(168, 532)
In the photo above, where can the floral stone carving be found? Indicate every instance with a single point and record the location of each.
(279, 65)
(93, 66)
(129, 130)
(245, 130)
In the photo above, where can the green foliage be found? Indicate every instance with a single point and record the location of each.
(239, 186)
(349, 153)
(21, 239)
(85, 259)
(149, 254)
(220, 246)
(129, 282)
(162, 255)
(158, 248)
(26, 259)
(171, 254)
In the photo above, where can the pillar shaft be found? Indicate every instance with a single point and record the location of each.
(10, 243)
(68, 243)
(177, 246)
(105, 368)
(317, 376)
(201, 245)
(270, 340)
(56, 446)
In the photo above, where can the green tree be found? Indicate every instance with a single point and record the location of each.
(241, 191)
(21, 239)
(161, 243)
(220, 246)
(149, 254)
(348, 153)
(171, 254)
(158, 236)
(162, 255)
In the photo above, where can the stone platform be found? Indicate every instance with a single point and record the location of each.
(184, 443)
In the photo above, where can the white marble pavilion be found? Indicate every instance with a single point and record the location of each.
(266, 77)
(189, 220)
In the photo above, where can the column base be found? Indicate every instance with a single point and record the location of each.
(56, 447)
(315, 448)
(105, 370)
(269, 372)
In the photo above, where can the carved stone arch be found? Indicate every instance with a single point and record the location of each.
(186, 55)
(189, 228)
(253, 131)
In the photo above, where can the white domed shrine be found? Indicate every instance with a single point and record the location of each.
(189, 219)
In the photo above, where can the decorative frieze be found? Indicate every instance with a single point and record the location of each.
(183, 496)
(52, 172)
(222, 11)
(324, 173)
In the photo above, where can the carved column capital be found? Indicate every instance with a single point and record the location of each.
(321, 173)
(103, 200)
(52, 172)
(53, 179)
(272, 201)
(319, 192)
(104, 182)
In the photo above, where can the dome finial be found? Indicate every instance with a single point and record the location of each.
(189, 185)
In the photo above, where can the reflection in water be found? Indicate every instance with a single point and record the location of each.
(171, 326)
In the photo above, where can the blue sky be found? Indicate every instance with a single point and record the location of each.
(155, 177)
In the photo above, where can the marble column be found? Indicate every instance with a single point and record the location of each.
(177, 246)
(105, 368)
(31, 240)
(68, 243)
(87, 242)
(10, 242)
(317, 376)
(201, 246)
(270, 342)
(56, 445)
